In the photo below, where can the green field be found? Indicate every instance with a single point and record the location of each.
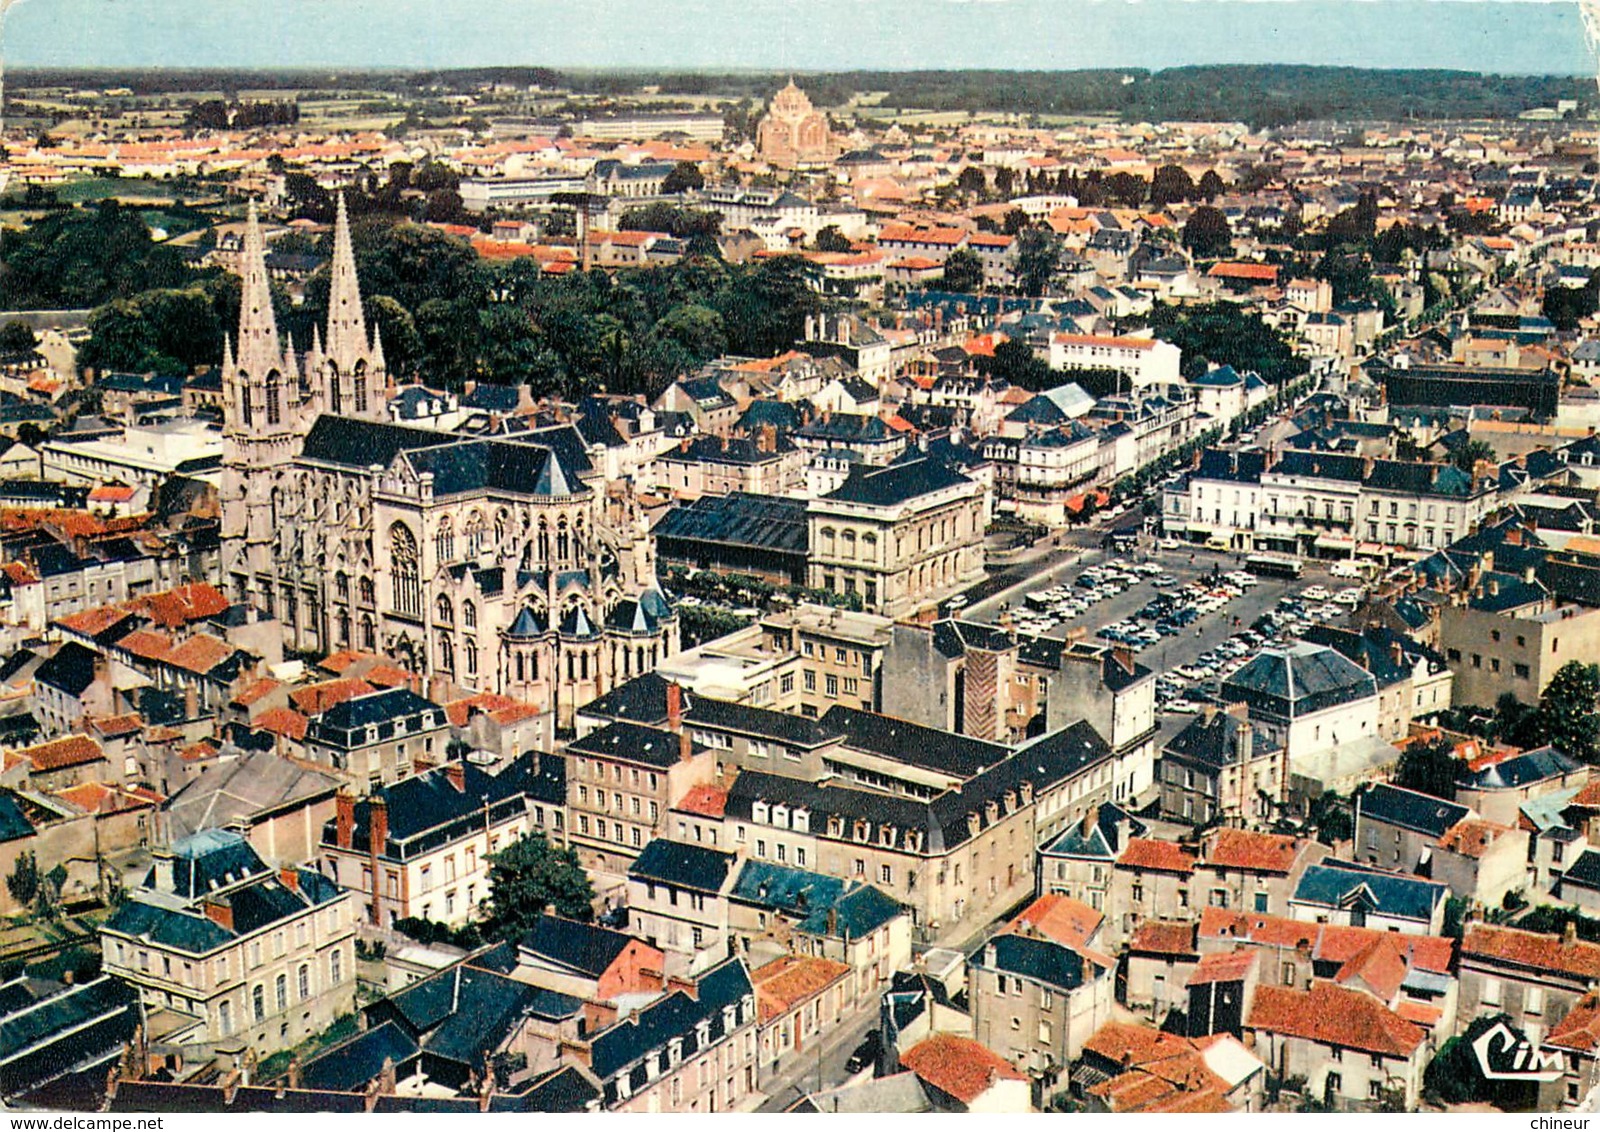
(99, 188)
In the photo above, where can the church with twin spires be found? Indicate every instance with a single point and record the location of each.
(503, 564)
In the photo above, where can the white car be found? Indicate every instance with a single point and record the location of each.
(1315, 593)
(1169, 544)
(1345, 570)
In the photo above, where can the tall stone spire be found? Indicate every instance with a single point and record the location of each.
(347, 328)
(259, 349)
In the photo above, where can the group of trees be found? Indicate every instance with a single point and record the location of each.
(84, 257)
(1224, 334)
(1565, 716)
(445, 315)
(217, 114)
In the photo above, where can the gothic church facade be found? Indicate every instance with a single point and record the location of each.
(500, 564)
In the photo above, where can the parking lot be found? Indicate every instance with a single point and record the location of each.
(1177, 608)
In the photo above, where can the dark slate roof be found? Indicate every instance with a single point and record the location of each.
(1214, 741)
(727, 450)
(499, 465)
(1037, 960)
(360, 444)
(389, 710)
(738, 519)
(584, 948)
(1521, 770)
(1335, 884)
(209, 860)
(1408, 809)
(14, 825)
(1099, 836)
(764, 723)
(462, 1014)
(945, 818)
(859, 912)
(1234, 467)
(426, 811)
(70, 670)
(1583, 873)
(913, 744)
(897, 483)
(32, 1021)
(561, 1090)
(348, 1067)
(648, 746)
(675, 1016)
(1298, 680)
(683, 865)
(1319, 465)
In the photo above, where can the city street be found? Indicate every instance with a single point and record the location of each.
(783, 1090)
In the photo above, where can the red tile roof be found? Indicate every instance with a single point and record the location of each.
(957, 1066)
(1255, 272)
(314, 699)
(1330, 942)
(1164, 937)
(1255, 852)
(1068, 922)
(791, 980)
(283, 721)
(1162, 856)
(1334, 1016)
(705, 801)
(1532, 949)
(1580, 1029)
(58, 754)
(1104, 340)
(1223, 967)
(1471, 837)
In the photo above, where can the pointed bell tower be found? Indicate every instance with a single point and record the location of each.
(263, 426)
(353, 371)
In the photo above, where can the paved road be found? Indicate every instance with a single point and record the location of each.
(801, 1076)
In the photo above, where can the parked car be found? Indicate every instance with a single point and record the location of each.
(865, 1054)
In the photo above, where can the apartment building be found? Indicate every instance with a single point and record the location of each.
(234, 949)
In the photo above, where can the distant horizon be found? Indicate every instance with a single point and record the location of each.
(1505, 37)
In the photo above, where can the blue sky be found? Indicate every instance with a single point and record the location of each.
(1507, 36)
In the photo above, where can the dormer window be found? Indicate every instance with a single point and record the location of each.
(760, 812)
(860, 831)
(780, 816)
(801, 821)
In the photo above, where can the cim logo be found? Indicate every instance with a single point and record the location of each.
(1505, 1055)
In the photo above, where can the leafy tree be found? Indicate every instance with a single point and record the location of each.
(1330, 816)
(1171, 184)
(685, 176)
(1429, 768)
(1015, 362)
(164, 331)
(1127, 190)
(24, 882)
(1566, 306)
(1210, 186)
(1207, 232)
(1454, 1076)
(17, 337)
(1565, 717)
(680, 222)
(830, 239)
(530, 875)
(1038, 257)
(972, 181)
(963, 271)
(1471, 454)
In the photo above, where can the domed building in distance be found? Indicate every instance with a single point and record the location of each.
(794, 132)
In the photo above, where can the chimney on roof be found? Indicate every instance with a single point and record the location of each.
(1569, 934)
(290, 876)
(219, 912)
(455, 771)
(344, 820)
(377, 823)
(191, 702)
(687, 986)
(294, 1073)
(674, 706)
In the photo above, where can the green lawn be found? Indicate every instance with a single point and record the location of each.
(99, 188)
